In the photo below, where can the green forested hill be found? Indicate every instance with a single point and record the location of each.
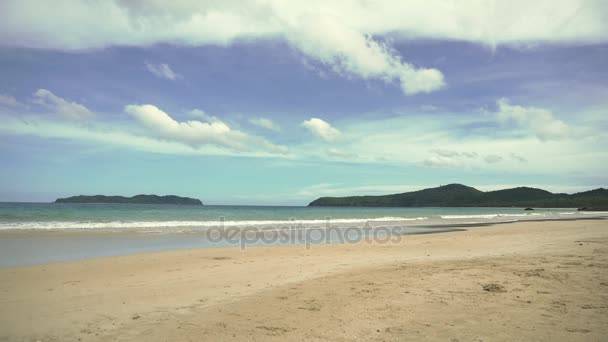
(138, 199)
(458, 195)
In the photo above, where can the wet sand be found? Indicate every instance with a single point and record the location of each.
(522, 281)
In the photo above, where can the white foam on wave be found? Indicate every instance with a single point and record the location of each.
(186, 224)
(488, 216)
(520, 215)
(177, 226)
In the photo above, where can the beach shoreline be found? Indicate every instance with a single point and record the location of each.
(25, 247)
(550, 282)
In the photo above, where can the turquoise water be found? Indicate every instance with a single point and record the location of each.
(152, 228)
(158, 218)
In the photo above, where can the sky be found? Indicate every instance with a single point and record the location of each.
(280, 102)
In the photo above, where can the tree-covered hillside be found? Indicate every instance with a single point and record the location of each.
(458, 195)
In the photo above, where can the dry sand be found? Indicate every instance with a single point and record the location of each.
(545, 281)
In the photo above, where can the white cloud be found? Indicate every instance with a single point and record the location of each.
(350, 52)
(8, 100)
(539, 121)
(162, 71)
(116, 22)
(397, 141)
(121, 137)
(462, 140)
(66, 109)
(342, 34)
(348, 36)
(197, 133)
(345, 35)
(265, 123)
(322, 129)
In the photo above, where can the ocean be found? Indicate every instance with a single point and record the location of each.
(131, 228)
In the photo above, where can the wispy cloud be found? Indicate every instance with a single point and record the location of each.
(404, 140)
(119, 137)
(162, 70)
(64, 108)
(540, 122)
(412, 138)
(265, 123)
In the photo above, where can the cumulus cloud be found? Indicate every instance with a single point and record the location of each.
(322, 129)
(198, 133)
(265, 123)
(162, 71)
(538, 121)
(66, 109)
(8, 100)
(492, 158)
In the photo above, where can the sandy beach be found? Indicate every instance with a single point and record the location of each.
(535, 281)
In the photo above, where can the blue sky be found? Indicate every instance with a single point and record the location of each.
(268, 102)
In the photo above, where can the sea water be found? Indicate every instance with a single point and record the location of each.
(148, 228)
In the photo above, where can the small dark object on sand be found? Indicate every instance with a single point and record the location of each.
(493, 287)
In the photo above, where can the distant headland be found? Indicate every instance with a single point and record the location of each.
(138, 199)
(458, 195)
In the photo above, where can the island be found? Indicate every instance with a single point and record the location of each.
(138, 199)
(458, 195)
